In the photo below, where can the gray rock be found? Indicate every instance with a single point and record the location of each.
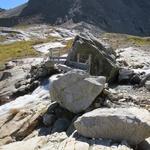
(144, 79)
(7, 87)
(44, 131)
(59, 112)
(135, 79)
(147, 85)
(43, 70)
(103, 61)
(76, 90)
(60, 125)
(145, 145)
(60, 141)
(5, 75)
(9, 65)
(130, 124)
(125, 75)
(52, 108)
(63, 67)
(31, 144)
(16, 77)
(78, 142)
(25, 88)
(19, 122)
(49, 119)
(71, 129)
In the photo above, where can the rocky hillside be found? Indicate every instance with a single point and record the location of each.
(121, 16)
(89, 98)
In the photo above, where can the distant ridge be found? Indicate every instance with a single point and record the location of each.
(121, 16)
(2, 9)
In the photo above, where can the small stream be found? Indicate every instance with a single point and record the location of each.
(41, 93)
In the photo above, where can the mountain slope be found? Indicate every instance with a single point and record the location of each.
(13, 12)
(123, 16)
(1, 9)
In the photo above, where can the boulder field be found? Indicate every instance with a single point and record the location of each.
(74, 109)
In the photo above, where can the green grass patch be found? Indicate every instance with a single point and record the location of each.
(2, 38)
(16, 50)
(139, 40)
(22, 26)
(117, 40)
(24, 49)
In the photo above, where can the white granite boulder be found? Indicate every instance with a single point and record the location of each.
(130, 124)
(76, 90)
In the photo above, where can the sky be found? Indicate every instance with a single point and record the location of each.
(7, 4)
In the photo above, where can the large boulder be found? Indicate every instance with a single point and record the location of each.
(130, 124)
(76, 90)
(103, 61)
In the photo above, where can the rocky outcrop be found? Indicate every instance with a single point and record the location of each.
(9, 65)
(11, 77)
(19, 123)
(78, 142)
(43, 70)
(5, 75)
(41, 143)
(130, 124)
(76, 90)
(145, 79)
(133, 57)
(127, 76)
(24, 77)
(60, 141)
(102, 56)
(32, 144)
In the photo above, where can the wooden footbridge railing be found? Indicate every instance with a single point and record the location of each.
(82, 62)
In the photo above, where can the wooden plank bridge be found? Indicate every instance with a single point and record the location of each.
(80, 63)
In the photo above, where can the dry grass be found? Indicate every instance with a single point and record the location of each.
(2, 38)
(139, 40)
(22, 26)
(117, 40)
(67, 47)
